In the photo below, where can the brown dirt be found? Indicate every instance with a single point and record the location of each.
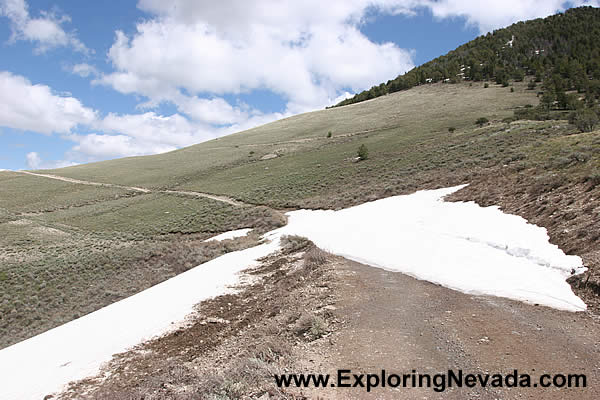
(368, 319)
(398, 323)
(234, 343)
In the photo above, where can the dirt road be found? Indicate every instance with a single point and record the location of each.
(400, 324)
(222, 199)
(375, 320)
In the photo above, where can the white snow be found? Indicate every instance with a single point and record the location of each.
(45, 363)
(230, 235)
(478, 250)
(463, 246)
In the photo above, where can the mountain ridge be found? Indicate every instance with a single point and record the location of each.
(563, 48)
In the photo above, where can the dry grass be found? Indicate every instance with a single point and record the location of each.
(232, 360)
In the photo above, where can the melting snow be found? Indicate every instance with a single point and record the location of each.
(230, 235)
(459, 245)
(45, 363)
(463, 246)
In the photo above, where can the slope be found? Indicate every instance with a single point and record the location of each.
(69, 249)
(563, 50)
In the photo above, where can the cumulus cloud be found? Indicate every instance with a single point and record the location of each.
(492, 14)
(308, 58)
(34, 161)
(103, 146)
(231, 47)
(84, 70)
(45, 31)
(37, 108)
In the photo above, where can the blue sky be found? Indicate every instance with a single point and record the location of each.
(87, 81)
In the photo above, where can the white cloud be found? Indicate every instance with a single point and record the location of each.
(26, 106)
(45, 31)
(231, 47)
(99, 146)
(34, 161)
(194, 55)
(493, 14)
(84, 70)
(154, 130)
(37, 108)
(308, 57)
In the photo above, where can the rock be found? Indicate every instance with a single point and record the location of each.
(269, 156)
(213, 320)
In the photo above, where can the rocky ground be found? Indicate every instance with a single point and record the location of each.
(309, 312)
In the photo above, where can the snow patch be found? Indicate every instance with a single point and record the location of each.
(230, 235)
(45, 363)
(460, 245)
(463, 246)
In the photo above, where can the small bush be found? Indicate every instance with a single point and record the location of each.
(486, 85)
(292, 243)
(481, 121)
(585, 120)
(310, 326)
(363, 152)
(318, 328)
(329, 134)
(314, 258)
(512, 89)
(451, 129)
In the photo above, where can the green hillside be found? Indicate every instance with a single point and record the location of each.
(562, 50)
(232, 164)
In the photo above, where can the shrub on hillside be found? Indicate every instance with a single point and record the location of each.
(481, 121)
(363, 152)
(585, 120)
(314, 258)
(451, 129)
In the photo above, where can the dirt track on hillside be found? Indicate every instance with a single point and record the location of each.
(222, 199)
(375, 320)
(398, 323)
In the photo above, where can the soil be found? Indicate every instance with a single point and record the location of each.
(367, 319)
(394, 322)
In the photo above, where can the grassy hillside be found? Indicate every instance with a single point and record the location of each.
(406, 118)
(68, 249)
(562, 50)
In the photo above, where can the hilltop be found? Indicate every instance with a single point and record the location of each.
(559, 53)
